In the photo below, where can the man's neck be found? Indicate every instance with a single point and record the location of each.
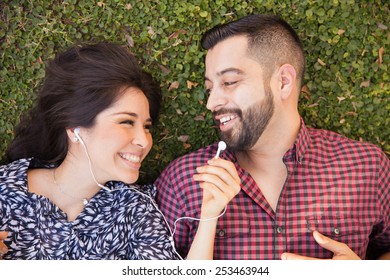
(271, 147)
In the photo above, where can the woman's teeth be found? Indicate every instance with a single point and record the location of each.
(131, 158)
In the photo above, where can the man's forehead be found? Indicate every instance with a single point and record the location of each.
(226, 57)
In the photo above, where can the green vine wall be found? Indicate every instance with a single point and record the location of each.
(346, 41)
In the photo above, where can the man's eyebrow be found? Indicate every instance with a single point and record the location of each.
(227, 70)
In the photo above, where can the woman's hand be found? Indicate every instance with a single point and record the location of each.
(220, 183)
(3, 248)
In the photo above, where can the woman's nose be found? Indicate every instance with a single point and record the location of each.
(142, 138)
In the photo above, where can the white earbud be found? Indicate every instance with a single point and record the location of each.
(221, 147)
(77, 135)
(170, 238)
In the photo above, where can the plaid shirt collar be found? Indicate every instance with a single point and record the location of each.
(301, 144)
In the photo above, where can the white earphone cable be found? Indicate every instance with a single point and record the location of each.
(89, 161)
(197, 219)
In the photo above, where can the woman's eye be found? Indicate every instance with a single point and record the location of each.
(148, 127)
(129, 122)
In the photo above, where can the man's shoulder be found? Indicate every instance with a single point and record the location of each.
(194, 158)
(183, 167)
(330, 140)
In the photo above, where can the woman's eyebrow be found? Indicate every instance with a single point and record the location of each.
(131, 114)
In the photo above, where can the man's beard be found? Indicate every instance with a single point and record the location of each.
(254, 121)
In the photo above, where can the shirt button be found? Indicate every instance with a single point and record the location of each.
(279, 229)
(336, 231)
(221, 233)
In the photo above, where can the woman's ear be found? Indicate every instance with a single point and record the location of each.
(287, 80)
(72, 135)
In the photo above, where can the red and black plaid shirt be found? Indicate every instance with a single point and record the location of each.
(335, 185)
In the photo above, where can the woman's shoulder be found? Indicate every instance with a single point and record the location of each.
(133, 190)
(14, 170)
(13, 184)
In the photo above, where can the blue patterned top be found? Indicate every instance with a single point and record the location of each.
(121, 224)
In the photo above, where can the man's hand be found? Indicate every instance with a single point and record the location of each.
(340, 250)
(3, 248)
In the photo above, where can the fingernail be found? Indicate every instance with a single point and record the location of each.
(283, 257)
(320, 238)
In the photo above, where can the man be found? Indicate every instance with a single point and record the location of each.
(305, 193)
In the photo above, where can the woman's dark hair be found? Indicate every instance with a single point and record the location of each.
(271, 41)
(79, 84)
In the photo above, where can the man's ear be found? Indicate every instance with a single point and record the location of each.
(287, 80)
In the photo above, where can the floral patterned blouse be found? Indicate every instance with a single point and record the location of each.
(121, 224)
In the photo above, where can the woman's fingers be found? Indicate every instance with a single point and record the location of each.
(220, 172)
(220, 183)
(227, 187)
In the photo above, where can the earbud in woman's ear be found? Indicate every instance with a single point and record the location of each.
(77, 136)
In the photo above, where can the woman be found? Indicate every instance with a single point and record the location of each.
(66, 186)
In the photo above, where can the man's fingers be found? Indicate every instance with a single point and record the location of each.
(339, 249)
(330, 244)
(291, 256)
